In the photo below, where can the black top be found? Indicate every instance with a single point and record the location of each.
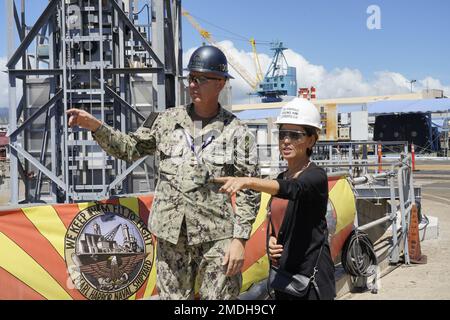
(304, 227)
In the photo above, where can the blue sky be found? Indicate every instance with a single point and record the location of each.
(331, 45)
(414, 39)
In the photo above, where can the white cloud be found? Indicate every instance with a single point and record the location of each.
(336, 83)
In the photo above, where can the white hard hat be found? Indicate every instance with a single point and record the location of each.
(300, 112)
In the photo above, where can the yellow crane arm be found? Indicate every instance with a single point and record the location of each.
(253, 83)
(259, 74)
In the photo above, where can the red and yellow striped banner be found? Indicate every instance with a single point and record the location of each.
(103, 250)
(34, 243)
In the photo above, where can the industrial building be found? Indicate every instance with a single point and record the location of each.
(355, 119)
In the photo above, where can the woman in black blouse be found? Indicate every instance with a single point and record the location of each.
(304, 185)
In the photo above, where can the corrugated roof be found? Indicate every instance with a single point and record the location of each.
(379, 107)
(258, 114)
(407, 106)
(400, 106)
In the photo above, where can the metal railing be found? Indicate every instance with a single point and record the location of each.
(356, 157)
(361, 164)
(401, 185)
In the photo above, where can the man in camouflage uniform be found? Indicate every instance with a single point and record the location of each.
(201, 239)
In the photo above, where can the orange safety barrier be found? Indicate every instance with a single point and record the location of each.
(414, 251)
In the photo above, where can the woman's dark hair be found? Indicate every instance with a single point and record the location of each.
(310, 131)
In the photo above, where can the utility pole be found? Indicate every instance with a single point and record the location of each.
(411, 82)
(446, 134)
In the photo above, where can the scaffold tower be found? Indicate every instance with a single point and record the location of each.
(117, 59)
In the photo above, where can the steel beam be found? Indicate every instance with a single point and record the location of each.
(53, 111)
(381, 192)
(42, 20)
(17, 20)
(42, 35)
(122, 82)
(63, 65)
(158, 31)
(394, 255)
(136, 32)
(132, 70)
(20, 109)
(42, 156)
(35, 115)
(125, 174)
(374, 223)
(178, 48)
(170, 61)
(122, 102)
(102, 85)
(40, 166)
(14, 175)
(34, 72)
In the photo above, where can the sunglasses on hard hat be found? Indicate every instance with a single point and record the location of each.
(291, 134)
(200, 79)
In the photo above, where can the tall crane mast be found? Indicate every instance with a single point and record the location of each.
(249, 79)
(111, 234)
(280, 79)
(93, 55)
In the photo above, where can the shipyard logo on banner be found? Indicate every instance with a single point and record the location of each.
(103, 250)
(108, 252)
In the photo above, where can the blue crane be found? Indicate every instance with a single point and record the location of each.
(280, 79)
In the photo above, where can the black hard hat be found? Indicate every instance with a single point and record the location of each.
(209, 59)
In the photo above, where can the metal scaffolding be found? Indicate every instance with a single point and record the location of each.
(95, 55)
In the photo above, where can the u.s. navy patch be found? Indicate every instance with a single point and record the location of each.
(108, 251)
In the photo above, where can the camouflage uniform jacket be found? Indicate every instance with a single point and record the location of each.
(223, 147)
